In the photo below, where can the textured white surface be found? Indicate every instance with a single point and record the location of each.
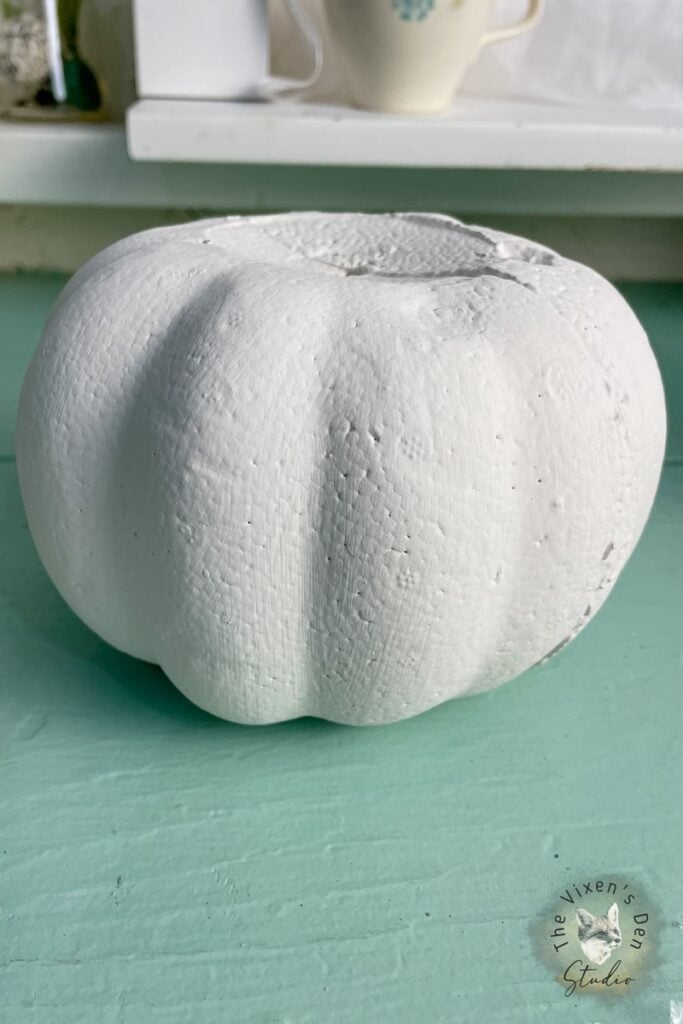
(341, 465)
(63, 237)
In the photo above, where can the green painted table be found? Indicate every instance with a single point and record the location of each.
(161, 866)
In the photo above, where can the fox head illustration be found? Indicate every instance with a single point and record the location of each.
(599, 936)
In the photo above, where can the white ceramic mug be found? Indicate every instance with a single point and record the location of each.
(212, 49)
(409, 56)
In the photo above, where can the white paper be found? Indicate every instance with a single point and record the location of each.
(624, 52)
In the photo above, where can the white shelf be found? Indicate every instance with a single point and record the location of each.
(476, 133)
(88, 165)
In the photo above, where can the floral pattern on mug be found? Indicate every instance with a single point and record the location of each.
(413, 10)
(417, 10)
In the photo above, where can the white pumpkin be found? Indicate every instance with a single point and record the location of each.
(338, 465)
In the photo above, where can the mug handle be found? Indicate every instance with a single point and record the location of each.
(273, 86)
(532, 17)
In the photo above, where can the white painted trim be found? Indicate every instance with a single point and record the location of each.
(476, 133)
(88, 165)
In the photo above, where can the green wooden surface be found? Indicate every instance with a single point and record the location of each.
(157, 865)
